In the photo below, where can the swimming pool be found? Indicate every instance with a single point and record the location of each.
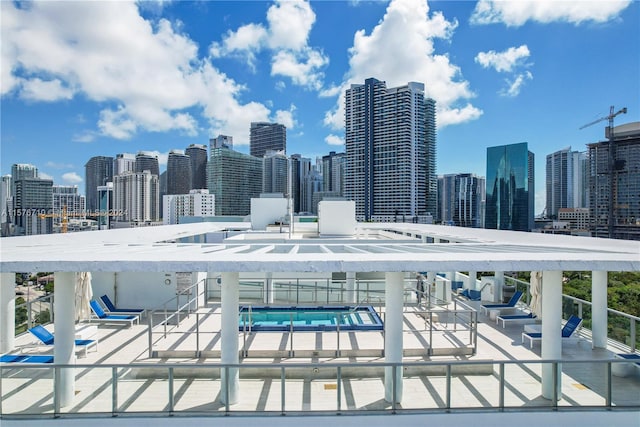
(309, 318)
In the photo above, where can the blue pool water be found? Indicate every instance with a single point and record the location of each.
(307, 318)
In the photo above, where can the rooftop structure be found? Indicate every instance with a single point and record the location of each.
(148, 261)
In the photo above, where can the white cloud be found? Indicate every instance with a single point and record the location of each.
(44, 175)
(71, 178)
(508, 61)
(285, 117)
(85, 136)
(517, 13)
(41, 90)
(334, 140)
(286, 36)
(54, 165)
(503, 61)
(515, 84)
(146, 74)
(400, 49)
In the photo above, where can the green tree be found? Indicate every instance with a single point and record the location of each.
(21, 311)
(43, 317)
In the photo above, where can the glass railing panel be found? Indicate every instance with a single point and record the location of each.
(93, 391)
(196, 389)
(522, 386)
(259, 390)
(143, 389)
(359, 392)
(583, 384)
(474, 386)
(27, 390)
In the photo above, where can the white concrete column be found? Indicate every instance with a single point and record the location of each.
(599, 283)
(64, 305)
(350, 296)
(499, 285)
(7, 311)
(229, 337)
(393, 333)
(551, 325)
(472, 280)
(268, 288)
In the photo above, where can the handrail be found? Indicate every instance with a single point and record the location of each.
(328, 371)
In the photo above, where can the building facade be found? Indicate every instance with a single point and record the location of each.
(461, 200)
(510, 188)
(265, 136)
(197, 203)
(198, 157)
(6, 205)
(390, 152)
(614, 204)
(333, 170)
(33, 197)
(136, 196)
(233, 178)
(274, 173)
(300, 168)
(147, 161)
(105, 206)
(565, 181)
(179, 176)
(66, 198)
(221, 141)
(124, 162)
(98, 171)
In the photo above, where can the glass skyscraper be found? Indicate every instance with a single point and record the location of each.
(179, 173)
(267, 136)
(510, 188)
(98, 171)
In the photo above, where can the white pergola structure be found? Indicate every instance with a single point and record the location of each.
(390, 248)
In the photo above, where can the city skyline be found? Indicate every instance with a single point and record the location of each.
(500, 74)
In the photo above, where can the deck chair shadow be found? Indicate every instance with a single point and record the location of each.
(516, 318)
(568, 332)
(47, 338)
(511, 305)
(102, 317)
(111, 308)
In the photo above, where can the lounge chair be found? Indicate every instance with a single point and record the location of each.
(26, 358)
(568, 331)
(626, 369)
(103, 317)
(111, 308)
(47, 338)
(515, 318)
(511, 305)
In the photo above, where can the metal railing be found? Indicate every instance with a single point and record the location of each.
(199, 389)
(39, 305)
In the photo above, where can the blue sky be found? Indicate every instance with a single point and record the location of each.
(82, 78)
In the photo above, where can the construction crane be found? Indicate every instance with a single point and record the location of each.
(64, 216)
(611, 167)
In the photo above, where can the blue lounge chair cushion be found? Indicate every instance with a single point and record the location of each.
(570, 326)
(112, 308)
(512, 302)
(102, 315)
(48, 339)
(25, 358)
(518, 316)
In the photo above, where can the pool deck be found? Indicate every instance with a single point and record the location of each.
(143, 386)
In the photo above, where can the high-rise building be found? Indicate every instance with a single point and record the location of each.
(124, 162)
(136, 195)
(221, 141)
(510, 192)
(32, 197)
(6, 205)
(146, 161)
(461, 200)
(105, 206)
(198, 157)
(311, 184)
(233, 178)
(196, 203)
(614, 206)
(274, 173)
(267, 136)
(178, 173)
(300, 168)
(390, 149)
(333, 168)
(23, 170)
(565, 181)
(98, 171)
(66, 197)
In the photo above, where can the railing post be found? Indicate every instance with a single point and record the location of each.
(608, 397)
(227, 379)
(114, 391)
(632, 332)
(291, 334)
(394, 387)
(282, 390)
(339, 388)
(448, 391)
(197, 334)
(501, 393)
(171, 401)
(56, 393)
(150, 333)
(555, 386)
(338, 318)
